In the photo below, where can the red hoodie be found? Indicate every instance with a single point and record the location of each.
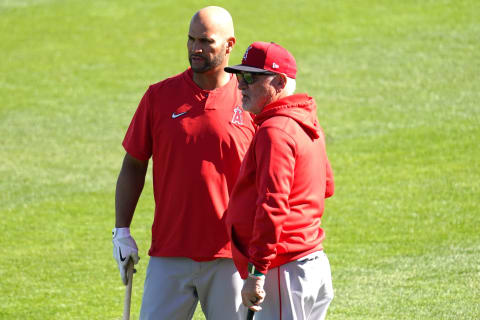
(274, 213)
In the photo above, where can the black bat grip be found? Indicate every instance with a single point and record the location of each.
(250, 314)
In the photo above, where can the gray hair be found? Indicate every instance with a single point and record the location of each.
(290, 86)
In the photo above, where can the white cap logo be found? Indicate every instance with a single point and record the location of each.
(275, 66)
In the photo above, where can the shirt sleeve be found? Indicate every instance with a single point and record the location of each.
(275, 158)
(138, 139)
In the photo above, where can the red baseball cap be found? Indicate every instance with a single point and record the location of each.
(266, 56)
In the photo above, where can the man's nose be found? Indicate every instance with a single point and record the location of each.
(196, 48)
(242, 84)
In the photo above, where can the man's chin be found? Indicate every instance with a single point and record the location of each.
(246, 106)
(199, 68)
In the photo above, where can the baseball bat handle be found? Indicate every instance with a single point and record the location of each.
(250, 314)
(128, 291)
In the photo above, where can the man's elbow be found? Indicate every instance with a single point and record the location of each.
(330, 189)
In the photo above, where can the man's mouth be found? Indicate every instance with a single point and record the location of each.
(197, 58)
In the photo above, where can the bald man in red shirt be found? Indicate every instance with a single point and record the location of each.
(194, 129)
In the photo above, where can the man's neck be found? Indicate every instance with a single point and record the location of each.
(211, 80)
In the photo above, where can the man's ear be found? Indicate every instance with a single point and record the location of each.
(280, 82)
(230, 43)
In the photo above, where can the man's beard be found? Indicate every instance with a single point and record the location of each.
(208, 64)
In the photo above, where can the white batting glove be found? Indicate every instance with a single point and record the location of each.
(124, 249)
(253, 293)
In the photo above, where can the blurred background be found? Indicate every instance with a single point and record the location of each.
(397, 88)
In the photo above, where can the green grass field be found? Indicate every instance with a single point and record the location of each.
(397, 85)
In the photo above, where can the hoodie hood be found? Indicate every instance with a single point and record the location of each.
(300, 107)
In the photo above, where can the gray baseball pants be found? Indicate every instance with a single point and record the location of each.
(299, 290)
(173, 287)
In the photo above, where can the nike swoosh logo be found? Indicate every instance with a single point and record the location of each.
(176, 115)
(121, 258)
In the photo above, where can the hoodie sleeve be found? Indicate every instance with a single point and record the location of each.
(330, 188)
(275, 158)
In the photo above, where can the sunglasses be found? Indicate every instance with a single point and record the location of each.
(250, 77)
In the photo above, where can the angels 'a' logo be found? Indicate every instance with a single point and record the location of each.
(237, 115)
(246, 54)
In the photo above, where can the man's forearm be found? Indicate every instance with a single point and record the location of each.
(129, 188)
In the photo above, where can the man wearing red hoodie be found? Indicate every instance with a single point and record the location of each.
(275, 210)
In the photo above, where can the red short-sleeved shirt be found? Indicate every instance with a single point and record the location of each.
(197, 140)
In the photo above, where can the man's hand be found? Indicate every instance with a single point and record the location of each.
(253, 293)
(124, 249)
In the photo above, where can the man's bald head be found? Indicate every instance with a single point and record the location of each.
(210, 40)
(215, 19)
